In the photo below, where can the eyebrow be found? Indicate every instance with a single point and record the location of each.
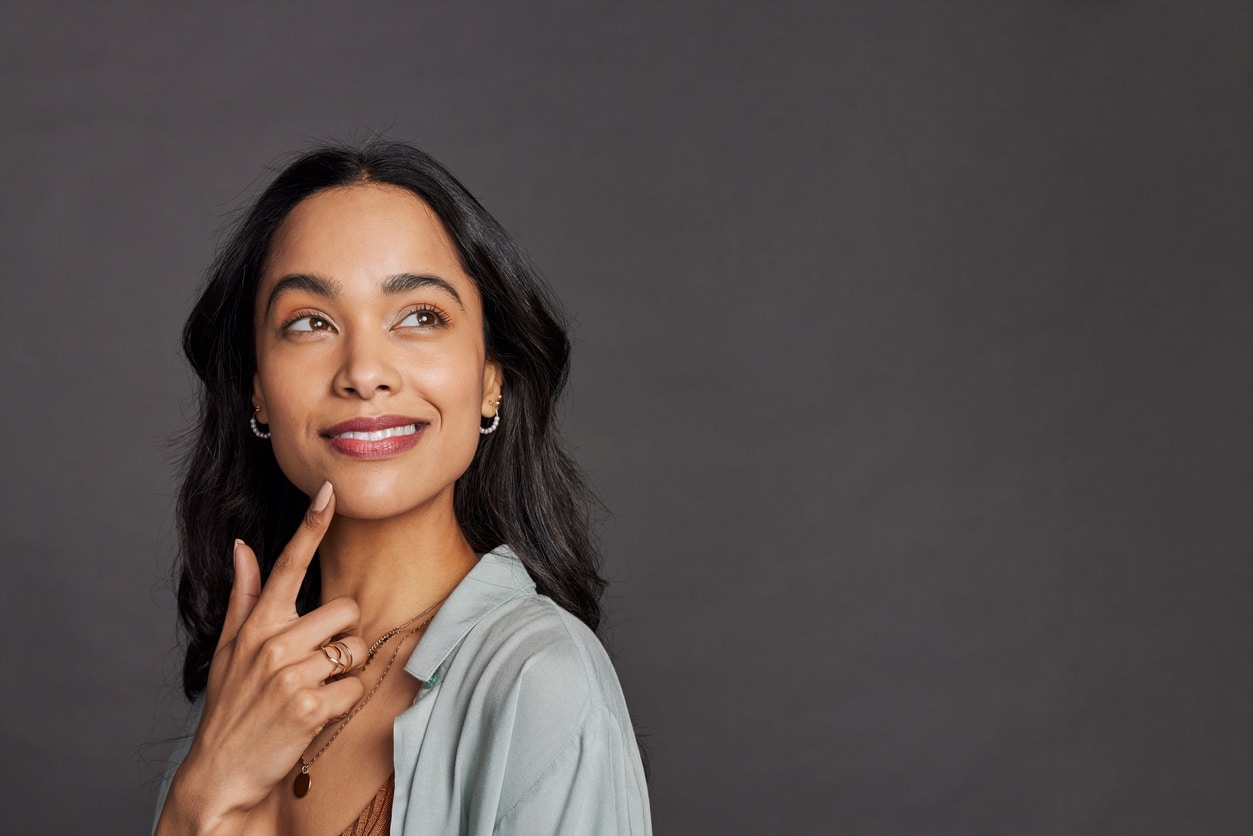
(402, 282)
(319, 286)
(312, 284)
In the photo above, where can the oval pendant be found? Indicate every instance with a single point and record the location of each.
(301, 785)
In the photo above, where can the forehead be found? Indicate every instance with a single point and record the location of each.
(359, 236)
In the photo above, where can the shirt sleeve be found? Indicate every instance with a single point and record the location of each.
(176, 758)
(594, 785)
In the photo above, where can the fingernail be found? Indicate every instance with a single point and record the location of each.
(235, 554)
(323, 498)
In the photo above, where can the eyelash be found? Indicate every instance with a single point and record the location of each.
(299, 315)
(441, 318)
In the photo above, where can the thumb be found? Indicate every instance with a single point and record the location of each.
(245, 591)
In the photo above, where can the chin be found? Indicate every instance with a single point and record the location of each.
(383, 502)
(368, 510)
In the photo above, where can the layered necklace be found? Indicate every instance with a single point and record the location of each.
(303, 782)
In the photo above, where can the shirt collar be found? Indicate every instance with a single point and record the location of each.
(499, 576)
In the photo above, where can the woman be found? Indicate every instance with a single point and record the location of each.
(380, 368)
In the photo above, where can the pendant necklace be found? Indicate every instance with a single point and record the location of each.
(302, 783)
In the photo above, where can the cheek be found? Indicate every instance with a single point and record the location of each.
(456, 390)
(287, 394)
(288, 405)
(452, 382)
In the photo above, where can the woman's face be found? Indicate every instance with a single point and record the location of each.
(371, 369)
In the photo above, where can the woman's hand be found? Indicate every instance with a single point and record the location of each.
(267, 694)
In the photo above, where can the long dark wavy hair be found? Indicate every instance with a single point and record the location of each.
(521, 489)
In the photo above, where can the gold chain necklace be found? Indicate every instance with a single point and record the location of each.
(303, 782)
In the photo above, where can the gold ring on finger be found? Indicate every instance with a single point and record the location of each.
(339, 656)
(346, 656)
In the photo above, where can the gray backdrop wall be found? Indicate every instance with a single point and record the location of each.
(912, 360)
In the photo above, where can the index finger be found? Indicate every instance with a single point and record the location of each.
(288, 573)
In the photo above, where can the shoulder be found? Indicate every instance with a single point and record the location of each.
(547, 661)
(506, 637)
(532, 684)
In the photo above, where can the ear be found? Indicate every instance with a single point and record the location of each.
(493, 382)
(258, 399)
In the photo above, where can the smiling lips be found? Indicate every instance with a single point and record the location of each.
(374, 438)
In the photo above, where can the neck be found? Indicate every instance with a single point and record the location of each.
(394, 568)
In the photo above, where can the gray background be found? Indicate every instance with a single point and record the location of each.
(911, 360)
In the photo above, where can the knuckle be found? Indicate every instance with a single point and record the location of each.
(306, 706)
(273, 651)
(287, 680)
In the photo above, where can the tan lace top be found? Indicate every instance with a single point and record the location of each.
(376, 818)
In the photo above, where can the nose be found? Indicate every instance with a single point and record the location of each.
(367, 367)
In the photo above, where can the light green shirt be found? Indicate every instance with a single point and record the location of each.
(520, 725)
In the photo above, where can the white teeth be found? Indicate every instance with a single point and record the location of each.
(407, 429)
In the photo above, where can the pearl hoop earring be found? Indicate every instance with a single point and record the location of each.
(495, 421)
(256, 428)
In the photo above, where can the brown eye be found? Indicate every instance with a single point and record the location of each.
(309, 322)
(422, 318)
